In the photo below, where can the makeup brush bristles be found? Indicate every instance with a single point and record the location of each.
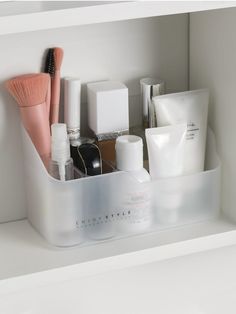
(29, 90)
(58, 57)
(49, 65)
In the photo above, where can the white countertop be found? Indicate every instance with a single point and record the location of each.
(201, 283)
(28, 261)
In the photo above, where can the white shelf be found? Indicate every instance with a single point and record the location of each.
(17, 17)
(26, 253)
(26, 258)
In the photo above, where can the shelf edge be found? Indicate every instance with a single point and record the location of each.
(102, 13)
(118, 262)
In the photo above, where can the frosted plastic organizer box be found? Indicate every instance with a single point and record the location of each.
(116, 205)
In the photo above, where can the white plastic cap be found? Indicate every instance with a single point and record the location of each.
(72, 95)
(60, 143)
(129, 153)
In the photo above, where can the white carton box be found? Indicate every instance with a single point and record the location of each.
(108, 108)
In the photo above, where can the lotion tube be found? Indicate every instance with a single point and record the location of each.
(166, 150)
(192, 108)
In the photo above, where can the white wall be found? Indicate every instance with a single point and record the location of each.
(125, 51)
(213, 65)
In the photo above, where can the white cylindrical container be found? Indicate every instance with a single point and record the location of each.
(129, 158)
(72, 111)
(129, 153)
(72, 95)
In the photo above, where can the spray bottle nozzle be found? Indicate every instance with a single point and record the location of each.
(60, 147)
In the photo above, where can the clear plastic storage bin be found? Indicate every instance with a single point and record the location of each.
(116, 205)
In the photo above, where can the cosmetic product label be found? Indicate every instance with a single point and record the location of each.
(133, 216)
(192, 131)
(136, 210)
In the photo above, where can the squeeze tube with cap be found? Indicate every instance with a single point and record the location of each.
(166, 150)
(192, 108)
(84, 152)
(61, 165)
(129, 158)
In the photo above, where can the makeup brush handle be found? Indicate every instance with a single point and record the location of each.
(48, 98)
(35, 121)
(55, 98)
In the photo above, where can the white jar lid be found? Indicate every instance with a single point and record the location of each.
(129, 153)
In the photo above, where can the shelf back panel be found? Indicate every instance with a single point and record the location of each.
(125, 51)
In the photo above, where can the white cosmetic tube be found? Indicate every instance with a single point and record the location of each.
(166, 149)
(192, 108)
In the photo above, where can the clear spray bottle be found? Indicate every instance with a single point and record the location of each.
(61, 164)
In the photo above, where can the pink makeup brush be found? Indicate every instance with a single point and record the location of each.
(30, 93)
(48, 99)
(55, 84)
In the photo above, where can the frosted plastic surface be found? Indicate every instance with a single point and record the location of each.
(116, 205)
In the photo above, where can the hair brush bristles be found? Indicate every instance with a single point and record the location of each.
(29, 90)
(49, 65)
(58, 57)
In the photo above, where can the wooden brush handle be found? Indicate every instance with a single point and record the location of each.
(55, 98)
(35, 121)
(48, 98)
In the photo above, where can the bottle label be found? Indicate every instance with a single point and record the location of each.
(137, 209)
